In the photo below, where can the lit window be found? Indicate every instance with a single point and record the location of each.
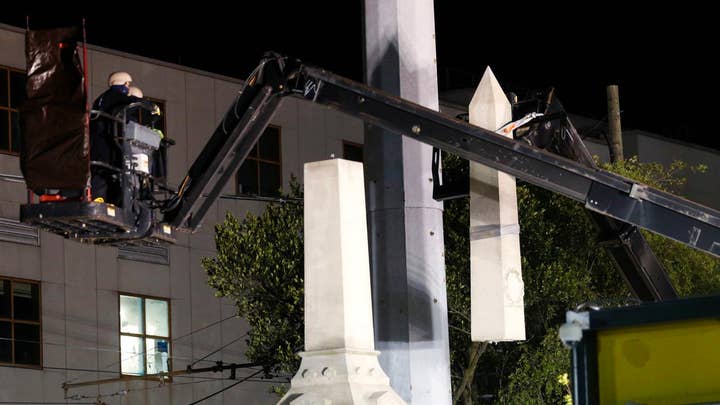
(12, 94)
(144, 335)
(261, 173)
(20, 338)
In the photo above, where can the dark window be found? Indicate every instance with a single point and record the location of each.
(144, 335)
(352, 151)
(261, 174)
(20, 333)
(144, 117)
(12, 94)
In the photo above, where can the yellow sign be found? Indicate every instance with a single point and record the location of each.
(668, 363)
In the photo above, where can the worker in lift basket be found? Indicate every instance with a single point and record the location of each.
(102, 145)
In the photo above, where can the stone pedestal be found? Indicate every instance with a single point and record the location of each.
(340, 364)
(341, 377)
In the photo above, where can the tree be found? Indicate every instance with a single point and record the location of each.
(259, 266)
(563, 266)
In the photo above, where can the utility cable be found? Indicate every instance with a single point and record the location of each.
(128, 390)
(217, 350)
(172, 341)
(226, 388)
(98, 349)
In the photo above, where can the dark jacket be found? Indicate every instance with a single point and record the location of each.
(102, 146)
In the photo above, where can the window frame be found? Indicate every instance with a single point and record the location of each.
(12, 321)
(9, 109)
(144, 336)
(163, 110)
(258, 160)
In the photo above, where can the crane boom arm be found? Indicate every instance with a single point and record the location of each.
(600, 191)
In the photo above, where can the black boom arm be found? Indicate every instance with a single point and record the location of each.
(276, 77)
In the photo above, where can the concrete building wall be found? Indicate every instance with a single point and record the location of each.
(652, 148)
(80, 284)
(700, 187)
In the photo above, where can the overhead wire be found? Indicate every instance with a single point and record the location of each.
(226, 388)
(100, 349)
(163, 385)
(128, 390)
(115, 372)
(172, 341)
(47, 403)
(217, 350)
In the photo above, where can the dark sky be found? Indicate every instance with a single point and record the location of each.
(663, 59)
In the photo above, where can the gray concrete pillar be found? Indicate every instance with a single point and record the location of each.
(405, 223)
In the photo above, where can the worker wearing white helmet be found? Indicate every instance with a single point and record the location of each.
(103, 147)
(119, 79)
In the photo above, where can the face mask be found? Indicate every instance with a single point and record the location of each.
(121, 88)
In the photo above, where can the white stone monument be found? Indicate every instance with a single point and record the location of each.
(497, 310)
(340, 364)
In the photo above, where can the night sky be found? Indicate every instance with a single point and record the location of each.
(663, 59)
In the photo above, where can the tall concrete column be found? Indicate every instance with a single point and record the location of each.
(340, 364)
(405, 223)
(496, 286)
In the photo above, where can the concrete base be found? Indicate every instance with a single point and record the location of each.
(341, 376)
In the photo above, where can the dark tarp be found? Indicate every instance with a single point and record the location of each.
(54, 146)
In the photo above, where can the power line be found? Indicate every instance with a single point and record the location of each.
(44, 403)
(128, 390)
(217, 350)
(163, 385)
(172, 341)
(100, 349)
(226, 388)
(204, 327)
(280, 200)
(114, 372)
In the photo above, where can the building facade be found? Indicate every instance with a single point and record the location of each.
(72, 313)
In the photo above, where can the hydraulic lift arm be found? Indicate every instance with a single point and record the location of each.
(552, 130)
(229, 145)
(600, 191)
(147, 220)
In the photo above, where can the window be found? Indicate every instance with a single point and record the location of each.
(261, 172)
(352, 151)
(20, 333)
(144, 335)
(143, 117)
(12, 94)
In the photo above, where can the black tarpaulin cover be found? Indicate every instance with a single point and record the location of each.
(54, 147)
